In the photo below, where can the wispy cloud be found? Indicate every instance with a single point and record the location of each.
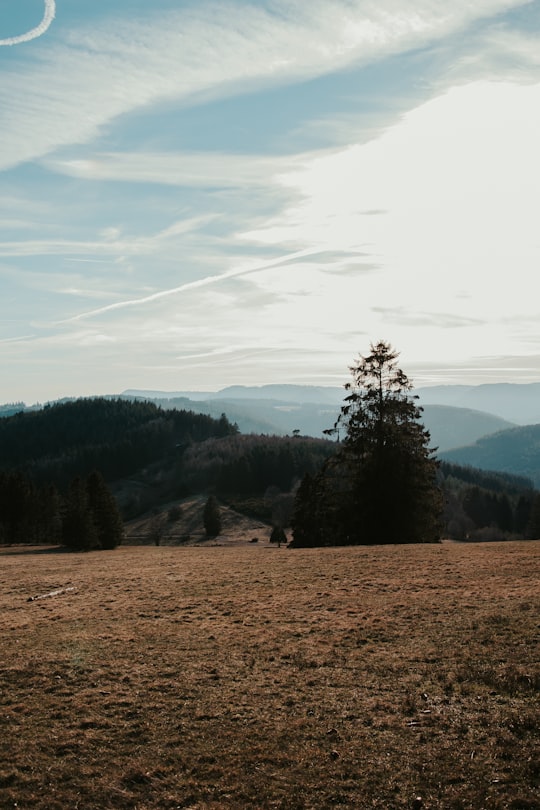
(439, 320)
(111, 243)
(192, 285)
(119, 66)
(39, 30)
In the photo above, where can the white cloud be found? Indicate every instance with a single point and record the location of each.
(458, 184)
(466, 160)
(119, 66)
(443, 203)
(48, 16)
(498, 53)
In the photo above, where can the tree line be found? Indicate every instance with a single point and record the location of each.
(248, 464)
(482, 505)
(84, 517)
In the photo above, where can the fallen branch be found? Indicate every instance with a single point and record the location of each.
(48, 595)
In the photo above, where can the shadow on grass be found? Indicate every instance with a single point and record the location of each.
(13, 551)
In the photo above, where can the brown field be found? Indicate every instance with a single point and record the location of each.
(246, 676)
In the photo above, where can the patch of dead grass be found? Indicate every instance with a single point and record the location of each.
(252, 677)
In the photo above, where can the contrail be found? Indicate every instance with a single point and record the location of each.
(48, 17)
(190, 285)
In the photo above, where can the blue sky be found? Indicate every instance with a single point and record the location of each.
(195, 194)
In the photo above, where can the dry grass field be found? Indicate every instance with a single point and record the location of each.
(247, 676)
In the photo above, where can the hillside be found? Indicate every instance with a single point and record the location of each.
(181, 523)
(116, 436)
(514, 451)
(147, 455)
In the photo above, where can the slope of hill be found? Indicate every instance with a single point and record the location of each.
(515, 451)
(187, 527)
(116, 436)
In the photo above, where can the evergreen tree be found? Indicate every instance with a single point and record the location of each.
(79, 530)
(49, 504)
(503, 509)
(477, 507)
(381, 486)
(522, 513)
(212, 517)
(533, 527)
(307, 520)
(105, 512)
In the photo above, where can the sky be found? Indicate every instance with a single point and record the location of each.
(196, 193)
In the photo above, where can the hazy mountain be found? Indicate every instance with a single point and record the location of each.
(453, 427)
(515, 451)
(270, 416)
(449, 427)
(283, 393)
(519, 403)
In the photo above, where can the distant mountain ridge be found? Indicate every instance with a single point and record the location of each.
(274, 391)
(455, 427)
(518, 403)
(449, 426)
(460, 434)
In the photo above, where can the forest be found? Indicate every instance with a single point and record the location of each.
(138, 456)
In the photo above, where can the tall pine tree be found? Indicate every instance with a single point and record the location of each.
(381, 486)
